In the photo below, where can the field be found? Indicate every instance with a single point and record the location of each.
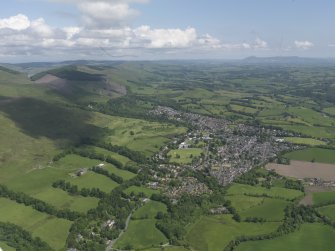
(215, 232)
(305, 141)
(62, 200)
(313, 154)
(328, 211)
(94, 180)
(50, 229)
(323, 197)
(302, 169)
(309, 237)
(149, 210)
(184, 156)
(5, 247)
(275, 192)
(136, 190)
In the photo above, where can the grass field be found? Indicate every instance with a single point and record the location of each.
(52, 230)
(62, 200)
(276, 192)
(328, 211)
(149, 210)
(323, 197)
(169, 248)
(135, 189)
(270, 210)
(184, 156)
(305, 141)
(141, 234)
(215, 232)
(313, 154)
(243, 202)
(122, 173)
(94, 180)
(309, 237)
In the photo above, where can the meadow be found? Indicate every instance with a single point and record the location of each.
(305, 141)
(323, 197)
(149, 210)
(184, 156)
(328, 211)
(213, 233)
(52, 230)
(137, 190)
(309, 237)
(313, 154)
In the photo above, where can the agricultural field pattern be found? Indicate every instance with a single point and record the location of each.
(168, 155)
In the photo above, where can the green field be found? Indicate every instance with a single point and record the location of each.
(52, 230)
(323, 197)
(328, 211)
(275, 192)
(305, 141)
(126, 175)
(94, 180)
(184, 156)
(62, 200)
(168, 248)
(313, 154)
(270, 210)
(213, 233)
(149, 210)
(136, 190)
(141, 234)
(309, 237)
(242, 202)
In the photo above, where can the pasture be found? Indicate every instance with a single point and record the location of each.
(323, 197)
(213, 233)
(309, 237)
(305, 141)
(141, 234)
(328, 211)
(5, 247)
(137, 190)
(52, 230)
(150, 210)
(313, 154)
(275, 192)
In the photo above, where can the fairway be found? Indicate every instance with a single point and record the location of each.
(215, 232)
(184, 156)
(52, 230)
(313, 154)
(141, 234)
(309, 237)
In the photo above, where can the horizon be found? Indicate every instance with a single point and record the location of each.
(40, 30)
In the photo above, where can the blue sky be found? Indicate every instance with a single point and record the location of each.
(36, 30)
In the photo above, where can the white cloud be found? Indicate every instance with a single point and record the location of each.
(18, 22)
(304, 45)
(260, 44)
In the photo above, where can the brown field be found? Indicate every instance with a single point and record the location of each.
(302, 169)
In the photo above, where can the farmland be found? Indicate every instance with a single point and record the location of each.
(313, 154)
(308, 237)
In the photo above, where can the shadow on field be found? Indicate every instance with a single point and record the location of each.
(38, 118)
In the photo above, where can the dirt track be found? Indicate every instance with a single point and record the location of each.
(301, 169)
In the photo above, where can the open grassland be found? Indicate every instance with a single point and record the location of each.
(311, 116)
(275, 192)
(139, 135)
(242, 202)
(305, 141)
(213, 233)
(323, 197)
(149, 210)
(269, 209)
(303, 169)
(124, 160)
(328, 211)
(52, 230)
(126, 175)
(141, 234)
(313, 154)
(94, 180)
(311, 131)
(62, 200)
(137, 190)
(184, 156)
(168, 248)
(309, 237)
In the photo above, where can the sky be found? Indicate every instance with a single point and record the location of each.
(57, 30)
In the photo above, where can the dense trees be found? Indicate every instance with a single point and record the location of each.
(73, 189)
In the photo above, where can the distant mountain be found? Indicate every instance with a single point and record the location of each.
(288, 60)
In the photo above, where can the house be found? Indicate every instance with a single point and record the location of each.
(183, 145)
